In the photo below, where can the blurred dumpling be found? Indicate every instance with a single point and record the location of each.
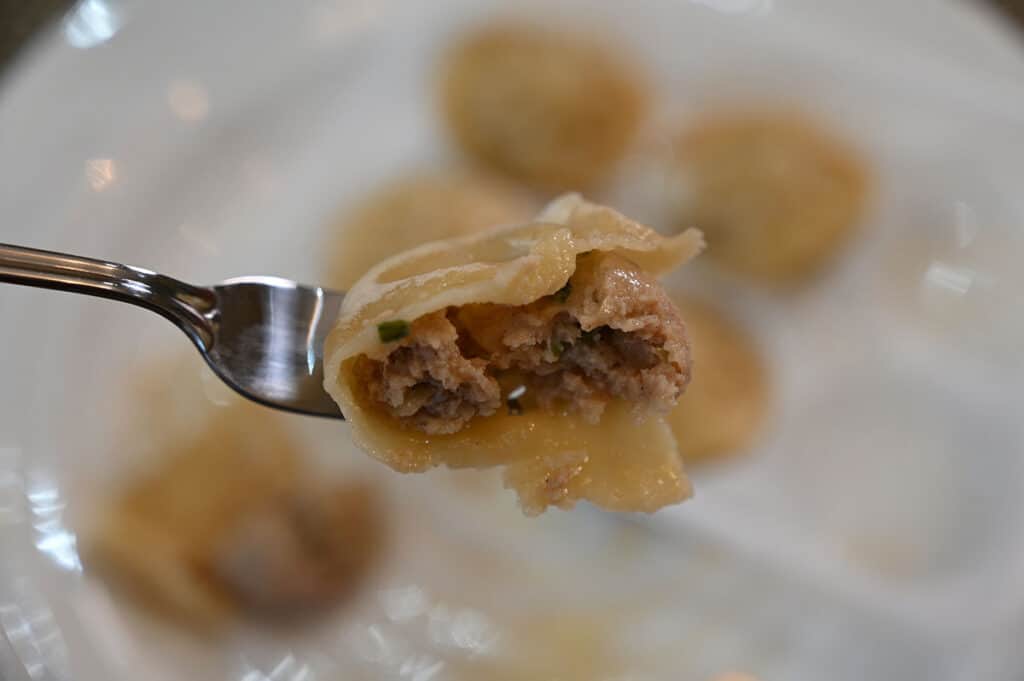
(553, 109)
(229, 523)
(775, 195)
(417, 209)
(549, 348)
(726, 402)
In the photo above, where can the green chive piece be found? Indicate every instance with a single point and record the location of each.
(557, 348)
(562, 294)
(395, 329)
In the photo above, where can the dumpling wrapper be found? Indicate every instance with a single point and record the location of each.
(624, 462)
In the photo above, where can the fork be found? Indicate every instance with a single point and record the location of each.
(263, 336)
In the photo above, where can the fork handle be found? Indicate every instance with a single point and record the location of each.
(192, 308)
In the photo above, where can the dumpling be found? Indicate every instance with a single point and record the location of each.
(548, 348)
(727, 403)
(419, 208)
(551, 108)
(230, 521)
(776, 195)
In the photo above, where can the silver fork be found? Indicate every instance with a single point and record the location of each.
(262, 335)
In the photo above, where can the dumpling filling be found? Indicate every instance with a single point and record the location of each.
(611, 333)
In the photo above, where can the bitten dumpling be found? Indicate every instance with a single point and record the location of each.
(548, 348)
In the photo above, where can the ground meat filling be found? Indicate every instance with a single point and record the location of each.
(611, 333)
(427, 383)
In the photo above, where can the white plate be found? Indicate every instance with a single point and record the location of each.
(876, 534)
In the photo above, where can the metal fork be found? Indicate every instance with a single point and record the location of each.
(262, 335)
